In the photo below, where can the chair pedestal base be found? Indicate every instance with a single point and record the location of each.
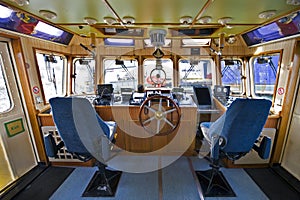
(103, 184)
(214, 184)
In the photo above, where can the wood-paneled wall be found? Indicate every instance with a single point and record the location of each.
(28, 44)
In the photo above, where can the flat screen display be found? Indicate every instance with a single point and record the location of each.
(203, 95)
(104, 89)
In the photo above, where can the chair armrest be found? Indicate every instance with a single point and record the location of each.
(263, 147)
(51, 146)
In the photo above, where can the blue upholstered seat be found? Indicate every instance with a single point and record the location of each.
(232, 136)
(87, 136)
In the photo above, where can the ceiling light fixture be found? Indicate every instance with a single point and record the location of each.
(186, 20)
(293, 2)
(109, 20)
(231, 39)
(205, 20)
(224, 20)
(21, 2)
(90, 20)
(48, 14)
(267, 14)
(128, 20)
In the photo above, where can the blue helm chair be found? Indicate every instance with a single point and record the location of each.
(86, 136)
(232, 136)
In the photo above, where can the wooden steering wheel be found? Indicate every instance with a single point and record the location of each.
(159, 115)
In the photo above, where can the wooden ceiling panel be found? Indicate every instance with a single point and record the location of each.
(151, 14)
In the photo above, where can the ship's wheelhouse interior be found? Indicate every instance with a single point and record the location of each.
(144, 88)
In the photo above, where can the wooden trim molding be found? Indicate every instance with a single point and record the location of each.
(29, 101)
(288, 101)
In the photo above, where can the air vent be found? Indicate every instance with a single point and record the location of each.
(193, 32)
(136, 32)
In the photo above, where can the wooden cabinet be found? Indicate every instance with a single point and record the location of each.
(134, 138)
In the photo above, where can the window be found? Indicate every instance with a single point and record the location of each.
(285, 27)
(158, 74)
(52, 69)
(121, 73)
(5, 100)
(119, 42)
(196, 72)
(264, 71)
(195, 42)
(15, 20)
(83, 76)
(231, 72)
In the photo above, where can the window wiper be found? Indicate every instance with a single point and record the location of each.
(121, 62)
(48, 69)
(54, 80)
(87, 49)
(90, 71)
(188, 71)
(273, 67)
(229, 73)
(128, 72)
(224, 70)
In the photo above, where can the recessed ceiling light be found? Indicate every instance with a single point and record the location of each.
(21, 2)
(90, 20)
(48, 14)
(186, 20)
(224, 20)
(205, 20)
(267, 14)
(231, 39)
(293, 2)
(128, 20)
(109, 20)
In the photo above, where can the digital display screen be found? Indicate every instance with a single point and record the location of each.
(203, 95)
(104, 89)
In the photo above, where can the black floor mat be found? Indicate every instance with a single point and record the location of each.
(214, 184)
(45, 185)
(96, 187)
(272, 184)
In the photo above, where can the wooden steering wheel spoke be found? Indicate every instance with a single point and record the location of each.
(164, 115)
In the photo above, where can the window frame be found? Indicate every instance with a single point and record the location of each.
(251, 71)
(74, 60)
(243, 72)
(153, 58)
(8, 91)
(102, 76)
(212, 66)
(65, 77)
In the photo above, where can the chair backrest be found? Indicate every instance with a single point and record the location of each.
(244, 121)
(77, 123)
